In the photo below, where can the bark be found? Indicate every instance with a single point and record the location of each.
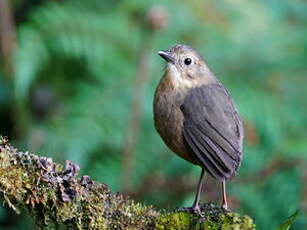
(55, 196)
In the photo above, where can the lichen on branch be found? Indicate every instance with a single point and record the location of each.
(55, 196)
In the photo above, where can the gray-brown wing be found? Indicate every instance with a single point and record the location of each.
(213, 130)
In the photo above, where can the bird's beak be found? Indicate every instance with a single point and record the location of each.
(167, 56)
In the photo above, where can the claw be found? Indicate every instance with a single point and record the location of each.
(194, 210)
(225, 208)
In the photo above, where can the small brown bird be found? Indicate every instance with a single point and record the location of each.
(196, 118)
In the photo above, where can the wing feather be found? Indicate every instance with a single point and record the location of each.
(210, 164)
(213, 130)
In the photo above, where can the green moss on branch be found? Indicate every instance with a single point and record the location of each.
(54, 195)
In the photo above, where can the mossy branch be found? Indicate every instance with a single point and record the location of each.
(55, 196)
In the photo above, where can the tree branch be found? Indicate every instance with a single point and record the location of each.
(55, 196)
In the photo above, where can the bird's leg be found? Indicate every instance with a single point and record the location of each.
(195, 207)
(224, 198)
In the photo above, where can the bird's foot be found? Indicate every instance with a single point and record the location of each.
(225, 208)
(194, 210)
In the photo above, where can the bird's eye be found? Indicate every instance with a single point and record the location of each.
(187, 61)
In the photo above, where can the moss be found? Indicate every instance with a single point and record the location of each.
(232, 221)
(54, 196)
(214, 219)
(173, 221)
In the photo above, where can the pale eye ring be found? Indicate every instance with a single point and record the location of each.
(187, 61)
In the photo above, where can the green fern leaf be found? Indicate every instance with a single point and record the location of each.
(289, 222)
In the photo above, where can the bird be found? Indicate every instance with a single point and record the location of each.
(196, 118)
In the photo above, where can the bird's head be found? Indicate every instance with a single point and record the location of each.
(185, 67)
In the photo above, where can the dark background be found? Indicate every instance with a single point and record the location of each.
(77, 80)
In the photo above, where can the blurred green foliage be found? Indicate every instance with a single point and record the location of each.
(69, 95)
(288, 223)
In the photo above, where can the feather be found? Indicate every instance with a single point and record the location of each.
(213, 130)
